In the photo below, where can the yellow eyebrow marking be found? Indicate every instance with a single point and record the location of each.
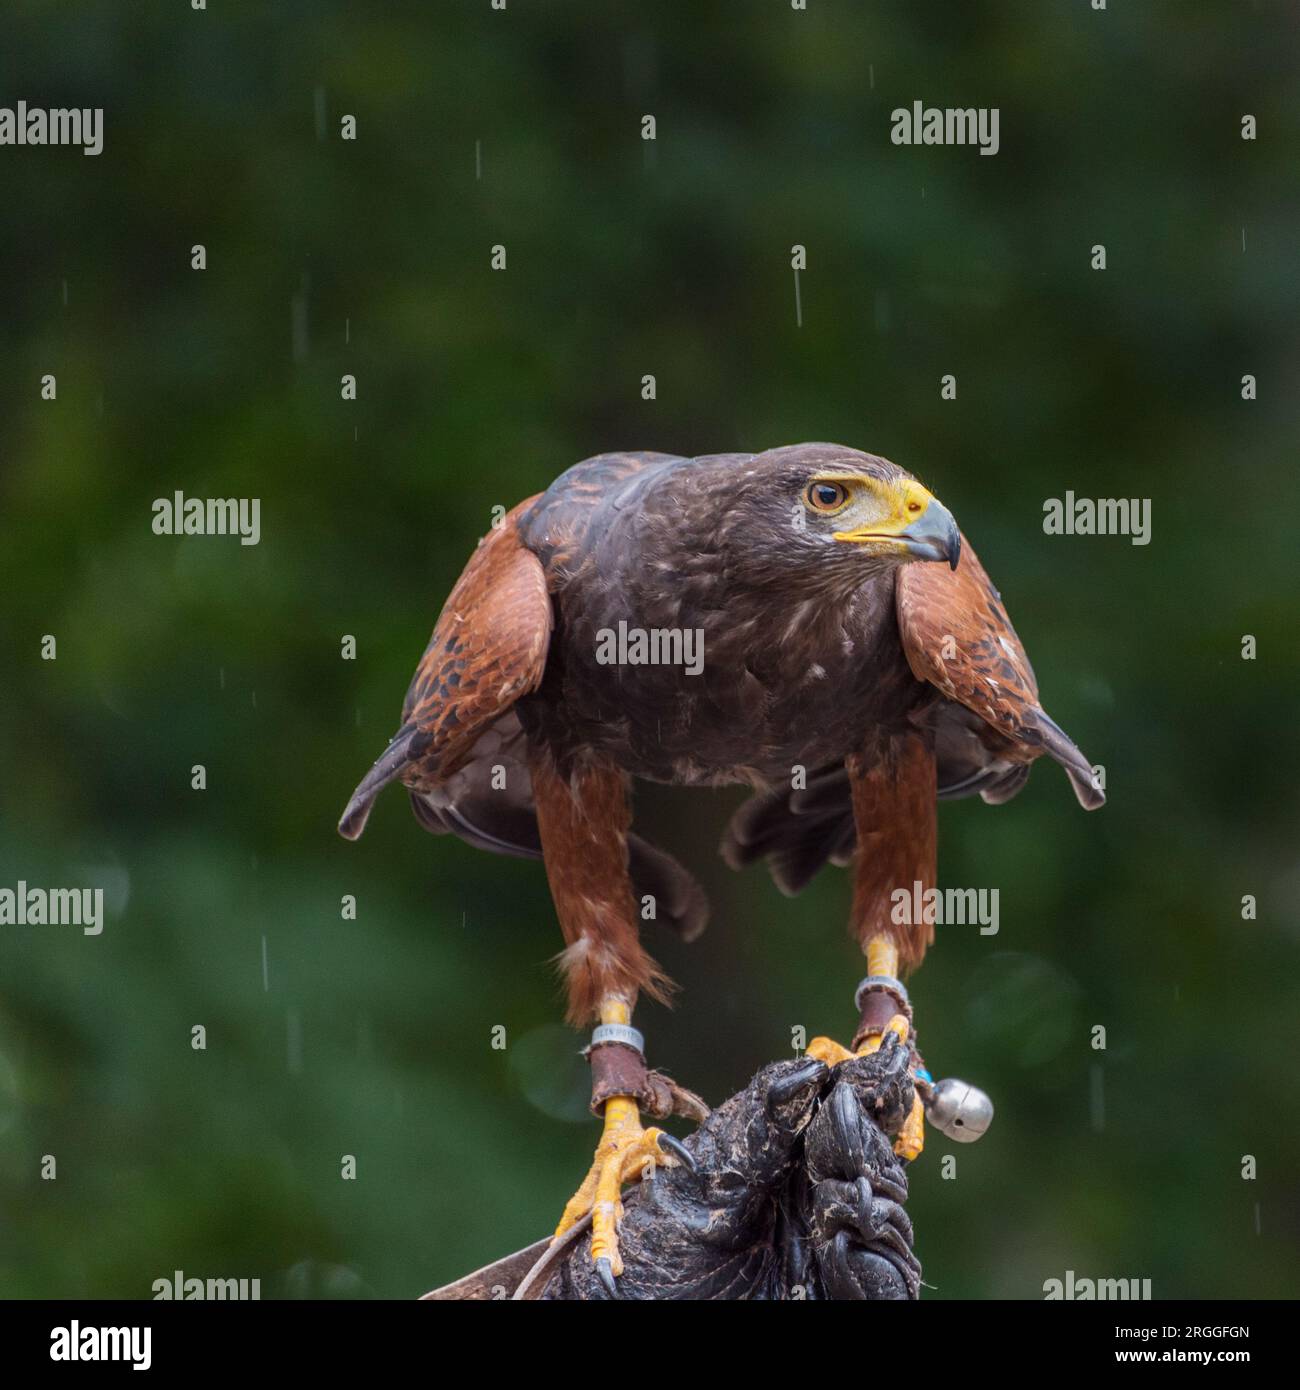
(830, 477)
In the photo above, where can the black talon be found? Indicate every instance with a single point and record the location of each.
(605, 1273)
(798, 1079)
(679, 1151)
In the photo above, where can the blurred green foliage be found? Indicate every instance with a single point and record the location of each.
(372, 1038)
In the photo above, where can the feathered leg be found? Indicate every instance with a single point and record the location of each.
(583, 819)
(895, 798)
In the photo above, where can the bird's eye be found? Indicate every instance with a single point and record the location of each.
(826, 497)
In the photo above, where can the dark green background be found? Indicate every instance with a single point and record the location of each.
(475, 389)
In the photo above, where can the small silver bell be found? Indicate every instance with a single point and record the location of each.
(961, 1111)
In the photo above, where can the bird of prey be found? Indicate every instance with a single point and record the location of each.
(808, 622)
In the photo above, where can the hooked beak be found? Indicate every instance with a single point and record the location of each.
(924, 529)
(933, 535)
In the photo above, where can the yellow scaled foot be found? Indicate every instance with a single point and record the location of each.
(829, 1051)
(911, 1138)
(626, 1153)
(898, 1024)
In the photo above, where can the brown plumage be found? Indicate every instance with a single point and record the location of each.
(984, 670)
(488, 648)
(894, 801)
(584, 821)
(845, 678)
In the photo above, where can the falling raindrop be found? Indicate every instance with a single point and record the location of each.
(266, 971)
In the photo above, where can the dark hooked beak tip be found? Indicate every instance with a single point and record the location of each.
(934, 536)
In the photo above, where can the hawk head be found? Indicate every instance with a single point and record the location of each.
(820, 513)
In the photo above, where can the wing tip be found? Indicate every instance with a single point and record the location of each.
(354, 818)
(1077, 768)
(387, 767)
(1086, 791)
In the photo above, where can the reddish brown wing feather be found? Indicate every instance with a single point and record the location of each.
(956, 635)
(488, 649)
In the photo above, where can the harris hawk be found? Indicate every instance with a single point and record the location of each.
(855, 666)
